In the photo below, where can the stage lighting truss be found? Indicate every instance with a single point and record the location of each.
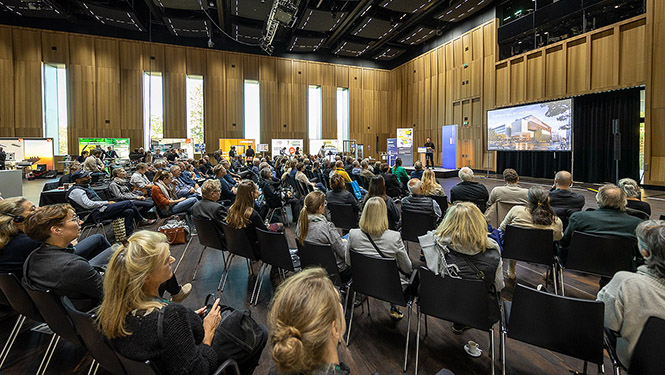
(283, 12)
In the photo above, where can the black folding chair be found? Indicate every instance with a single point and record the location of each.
(598, 255)
(456, 300)
(637, 213)
(238, 244)
(99, 349)
(530, 245)
(570, 326)
(442, 201)
(648, 356)
(322, 256)
(275, 253)
(379, 278)
(342, 216)
(132, 367)
(415, 225)
(21, 302)
(210, 236)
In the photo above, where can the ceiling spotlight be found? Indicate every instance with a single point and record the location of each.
(210, 43)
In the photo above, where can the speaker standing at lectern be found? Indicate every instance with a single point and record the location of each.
(429, 155)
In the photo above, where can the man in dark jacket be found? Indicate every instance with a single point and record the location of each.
(208, 207)
(469, 190)
(609, 219)
(561, 196)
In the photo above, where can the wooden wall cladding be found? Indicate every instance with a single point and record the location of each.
(7, 83)
(654, 155)
(608, 58)
(450, 84)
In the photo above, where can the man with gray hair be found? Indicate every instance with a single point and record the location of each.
(208, 208)
(418, 203)
(609, 219)
(469, 190)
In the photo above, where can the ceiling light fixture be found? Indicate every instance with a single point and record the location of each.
(283, 12)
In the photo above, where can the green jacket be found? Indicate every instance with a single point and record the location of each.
(401, 174)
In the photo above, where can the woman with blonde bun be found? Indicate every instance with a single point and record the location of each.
(143, 326)
(306, 322)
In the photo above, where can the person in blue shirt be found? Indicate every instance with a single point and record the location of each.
(182, 189)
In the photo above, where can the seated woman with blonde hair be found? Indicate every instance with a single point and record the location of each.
(373, 238)
(430, 186)
(143, 326)
(306, 322)
(460, 247)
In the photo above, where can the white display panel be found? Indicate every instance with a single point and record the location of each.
(331, 146)
(290, 144)
(165, 144)
(532, 127)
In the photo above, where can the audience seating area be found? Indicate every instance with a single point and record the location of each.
(552, 316)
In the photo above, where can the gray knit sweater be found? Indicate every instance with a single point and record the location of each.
(630, 299)
(322, 232)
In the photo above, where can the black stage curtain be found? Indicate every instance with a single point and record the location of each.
(540, 164)
(593, 141)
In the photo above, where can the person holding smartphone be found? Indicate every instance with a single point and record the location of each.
(143, 326)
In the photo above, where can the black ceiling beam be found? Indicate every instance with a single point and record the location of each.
(348, 23)
(405, 27)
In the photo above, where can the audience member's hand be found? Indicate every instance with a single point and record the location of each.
(211, 321)
(141, 198)
(234, 190)
(111, 202)
(191, 190)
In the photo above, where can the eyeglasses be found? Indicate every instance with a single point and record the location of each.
(647, 229)
(75, 218)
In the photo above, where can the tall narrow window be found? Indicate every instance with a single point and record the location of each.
(314, 117)
(252, 111)
(54, 105)
(153, 107)
(342, 115)
(195, 109)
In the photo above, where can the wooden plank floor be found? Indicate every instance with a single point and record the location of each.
(377, 342)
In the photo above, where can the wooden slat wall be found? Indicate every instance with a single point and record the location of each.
(655, 93)
(608, 58)
(451, 84)
(6, 82)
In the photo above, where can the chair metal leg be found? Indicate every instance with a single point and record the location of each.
(346, 301)
(348, 330)
(492, 350)
(49, 353)
(93, 367)
(601, 368)
(225, 274)
(408, 330)
(503, 352)
(256, 284)
(11, 338)
(586, 364)
(418, 339)
(563, 290)
(261, 276)
(426, 333)
(368, 312)
(196, 269)
(249, 267)
(183, 254)
(555, 279)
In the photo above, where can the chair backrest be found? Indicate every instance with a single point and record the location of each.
(662, 217)
(210, 234)
(342, 216)
(133, 367)
(528, 245)
(99, 349)
(51, 185)
(600, 255)
(349, 187)
(414, 225)
(319, 255)
(456, 300)
(238, 242)
(275, 249)
(637, 213)
(18, 298)
(566, 325)
(54, 314)
(442, 201)
(648, 356)
(377, 277)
